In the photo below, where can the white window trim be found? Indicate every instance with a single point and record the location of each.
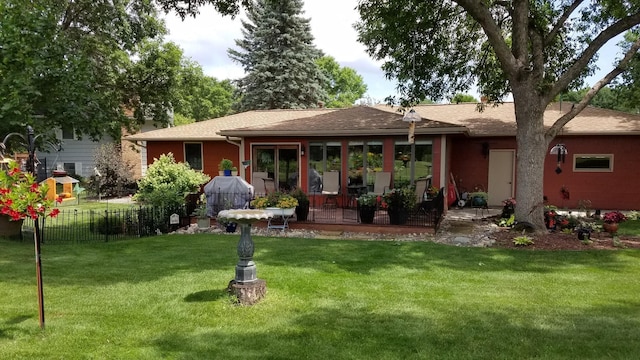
(184, 149)
(610, 156)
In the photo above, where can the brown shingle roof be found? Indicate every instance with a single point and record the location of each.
(386, 120)
(208, 129)
(500, 120)
(357, 121)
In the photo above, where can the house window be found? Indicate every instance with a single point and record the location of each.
(193, 155)
(70, 168)
(402, 170)
(362, 168)
(323, 157)
(593, 162)
(68, 133)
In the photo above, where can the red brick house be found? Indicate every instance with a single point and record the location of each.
(477, 149)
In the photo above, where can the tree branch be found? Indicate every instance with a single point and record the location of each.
(494, 34)
(561, 21)
(520, 33)
(621, 67)
(581, 63)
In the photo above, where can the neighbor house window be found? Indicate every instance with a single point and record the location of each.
(68, 133)
(193, 155)
(593, 162)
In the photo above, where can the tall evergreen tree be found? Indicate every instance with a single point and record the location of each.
(278, 55)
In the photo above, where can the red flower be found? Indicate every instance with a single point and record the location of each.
(54, 212)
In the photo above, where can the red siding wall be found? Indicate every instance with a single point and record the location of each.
(605, 190)
(212, 152)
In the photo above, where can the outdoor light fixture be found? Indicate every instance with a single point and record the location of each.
(412, 118)
(246, 163)
(561, 151)
(301, 150)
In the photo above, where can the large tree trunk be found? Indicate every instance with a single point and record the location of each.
(531, 151)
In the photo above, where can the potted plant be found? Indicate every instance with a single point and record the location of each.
(234, 171)
(508, 208)
(200, 212)
(399, 202)
(21, 197)
(479, 198)
(367, 205)
(280, 204)
(432, 192)
(611, 221)
(302, 210)
(225, 166)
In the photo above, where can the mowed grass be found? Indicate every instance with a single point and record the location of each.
(164, 298)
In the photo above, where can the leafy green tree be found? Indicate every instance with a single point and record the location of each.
(463, 98)
(344, 86)
(278, 55)
(534, 50)
(201, 97)
(167, 183)
(63, 62)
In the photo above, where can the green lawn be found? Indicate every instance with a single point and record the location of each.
(163, 298)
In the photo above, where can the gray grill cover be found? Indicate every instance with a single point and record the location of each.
(227, 192)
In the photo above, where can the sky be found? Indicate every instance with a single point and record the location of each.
(206, 39)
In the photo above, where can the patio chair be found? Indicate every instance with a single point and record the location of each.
(331, 187)
(269, 185)
(258, 182)
(382, 183)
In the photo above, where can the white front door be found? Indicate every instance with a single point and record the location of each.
(501, 175)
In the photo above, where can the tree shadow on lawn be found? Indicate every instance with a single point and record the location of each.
(365, 257)
(149, 259)
(206, 296)
(350, 332)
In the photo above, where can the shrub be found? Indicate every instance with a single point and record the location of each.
(110, 225)
(116, 176)
(167, 182)
(614, 217)
(523, 240)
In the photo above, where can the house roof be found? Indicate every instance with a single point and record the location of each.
(208, 129)
(386, 120)
(500, 120)
(353, 121)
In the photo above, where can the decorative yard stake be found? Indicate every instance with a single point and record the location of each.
(22, 197)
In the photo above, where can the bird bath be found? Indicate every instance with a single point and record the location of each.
(246, 286)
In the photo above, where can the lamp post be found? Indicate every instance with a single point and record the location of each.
(412, 118)
(29, 142)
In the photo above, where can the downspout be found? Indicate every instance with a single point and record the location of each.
(240, 145)
(443, 169)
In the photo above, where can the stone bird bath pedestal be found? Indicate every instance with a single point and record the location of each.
(246, 286)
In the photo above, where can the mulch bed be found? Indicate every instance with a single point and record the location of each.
(561, 241)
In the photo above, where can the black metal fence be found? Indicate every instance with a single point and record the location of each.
(345, 210)
(84, 226)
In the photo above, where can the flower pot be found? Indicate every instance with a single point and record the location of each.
(302, 212)
(204, 223)
(611, 228)
(367, 214)
(227, 172)
(10, 228)
(398, 216)
(231, 227)
(280, 212)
